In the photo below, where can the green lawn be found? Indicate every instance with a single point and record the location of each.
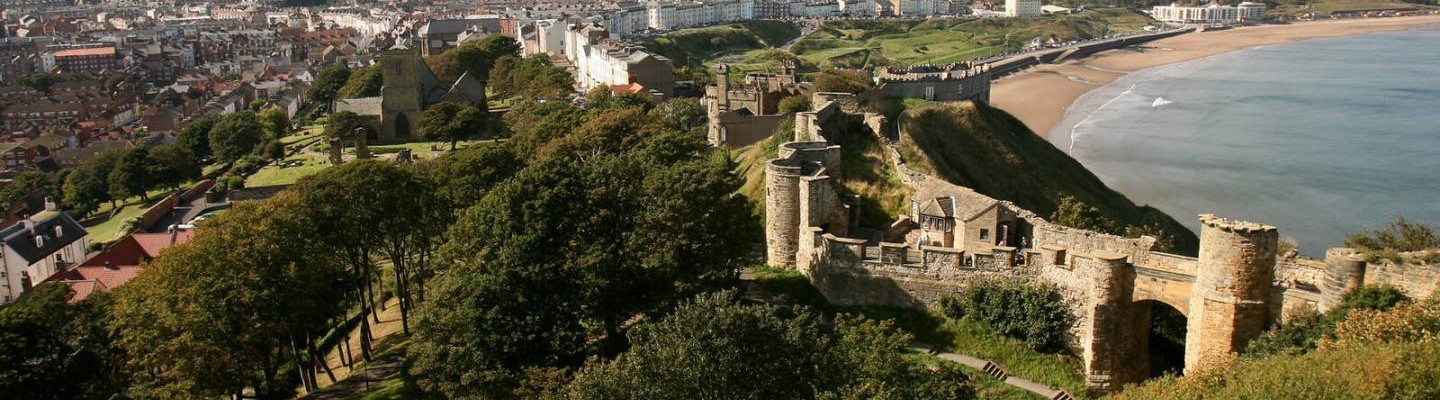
(116, 227)
(1324, 8)
(957, 336)
(864, 43)
(310, 132)
(273, 174)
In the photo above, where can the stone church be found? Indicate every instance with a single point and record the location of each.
(409, 87)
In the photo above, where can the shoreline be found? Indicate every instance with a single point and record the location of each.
(1043, 95)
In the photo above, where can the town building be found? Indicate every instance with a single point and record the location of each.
(92, 60)
(37, 248)
(1210, 14)
(119, 263)
(1022, 8)
(599, 60)
(443, 34)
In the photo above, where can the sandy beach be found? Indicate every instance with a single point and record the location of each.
(1040, 95)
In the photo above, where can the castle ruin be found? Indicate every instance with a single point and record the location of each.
(953, 236)
(749, 113)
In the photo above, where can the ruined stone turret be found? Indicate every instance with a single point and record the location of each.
(1110, 285)
(1344, 270)
(1228, 303)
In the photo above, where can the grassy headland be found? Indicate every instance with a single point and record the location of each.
(863, 43)
(987, 149)
(691, 49)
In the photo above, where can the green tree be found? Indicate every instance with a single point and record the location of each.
(1032, 312)
(274, 122)
(365, 82)
(131, 176)
(171, 165)
(85, 189)
(222, 314)
(327, 85)
(463, 177)
(342, 125)
(1074, 213)
(794, 104)
(235, 136)
(451, 122)
(531, 78)
(502, 80)
(51, 349)
(23, 183)
(196, 136)
(715, 347)
(681, 115)
(644, 220)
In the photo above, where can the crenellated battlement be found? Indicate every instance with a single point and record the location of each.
(1237, 226)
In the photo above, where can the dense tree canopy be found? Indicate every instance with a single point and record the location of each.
(716, 348)
(364, 82)
(531, 78)
(225, 311)
(474, 57)
(636, 211)
(451, 122)
(235, 135)
(50, 349)
(327, 85)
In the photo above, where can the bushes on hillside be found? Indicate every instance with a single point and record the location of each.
(1400, 236)
(1304, 333)
(1032, 312)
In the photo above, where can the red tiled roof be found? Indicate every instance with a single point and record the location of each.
(83, 289)
(153, 243)
(628, 88)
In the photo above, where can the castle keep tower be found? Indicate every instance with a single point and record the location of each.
(1228, 303)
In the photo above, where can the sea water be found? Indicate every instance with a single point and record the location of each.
(1319, 137)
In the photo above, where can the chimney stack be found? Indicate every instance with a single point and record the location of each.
(50, 204)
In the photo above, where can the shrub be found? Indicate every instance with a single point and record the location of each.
(1032, 312)
(1400, 236)
(1302, 334)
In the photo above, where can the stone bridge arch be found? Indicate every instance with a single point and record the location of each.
(1225, 300)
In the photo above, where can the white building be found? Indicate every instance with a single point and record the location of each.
(1022, 8)
(600, 61)
(668, 16)
(37, 248)
(1211, 14)
(857, 8)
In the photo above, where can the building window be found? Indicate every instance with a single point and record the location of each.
(984, 234)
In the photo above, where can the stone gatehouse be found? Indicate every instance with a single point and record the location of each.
(1236, 287)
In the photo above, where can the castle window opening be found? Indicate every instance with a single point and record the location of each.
(984, 234)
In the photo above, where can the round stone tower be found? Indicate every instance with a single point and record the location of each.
(782, 212)
(1228, 301)
(1344, 270)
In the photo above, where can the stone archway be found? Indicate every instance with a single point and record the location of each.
(402, 126)
(1154, 334)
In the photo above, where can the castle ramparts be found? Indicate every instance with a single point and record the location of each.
(1236, 287)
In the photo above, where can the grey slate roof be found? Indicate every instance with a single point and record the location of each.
(22, 241)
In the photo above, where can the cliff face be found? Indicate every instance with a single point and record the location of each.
(990, 151)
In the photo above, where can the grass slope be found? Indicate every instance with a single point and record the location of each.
(986, 149)
(862, 43)
(1380, 371)
(693, 47)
